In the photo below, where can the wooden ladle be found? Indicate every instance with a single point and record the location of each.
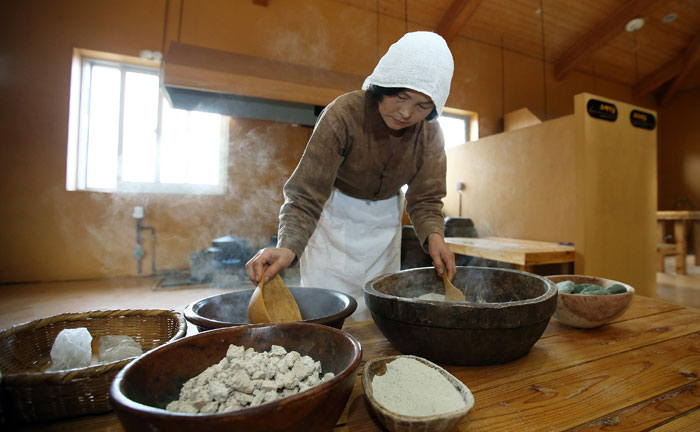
(272, 302)
(452, 294)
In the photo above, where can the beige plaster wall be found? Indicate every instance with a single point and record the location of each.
(48, 233)
(519, 184)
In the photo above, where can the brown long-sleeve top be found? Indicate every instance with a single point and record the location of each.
(351, 149)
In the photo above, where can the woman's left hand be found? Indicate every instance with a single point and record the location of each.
(443, 258)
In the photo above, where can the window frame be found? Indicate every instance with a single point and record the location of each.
(78, 128)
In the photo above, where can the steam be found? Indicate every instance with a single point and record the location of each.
(97, 232)
(305, 42)
(259, 154)
(86, 240)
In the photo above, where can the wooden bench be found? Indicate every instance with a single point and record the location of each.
(682, 219)
(662, 250)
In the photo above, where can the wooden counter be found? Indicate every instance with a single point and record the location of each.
(638, 373)
(523, 253)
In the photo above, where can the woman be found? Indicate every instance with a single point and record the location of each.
(343, 204)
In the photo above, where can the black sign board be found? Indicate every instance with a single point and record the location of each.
(643, 119)
(602, 110)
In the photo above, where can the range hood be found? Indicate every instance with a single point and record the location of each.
(205, 79)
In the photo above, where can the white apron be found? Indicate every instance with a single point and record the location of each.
(354, 241)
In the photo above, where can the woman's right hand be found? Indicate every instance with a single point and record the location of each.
(277, 259)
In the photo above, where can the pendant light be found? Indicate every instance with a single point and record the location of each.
(405, 10)
(544, 58)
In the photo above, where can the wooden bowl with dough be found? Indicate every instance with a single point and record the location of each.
(396, 422)
(142, 390)
(589, 311)
(514, 309)
(317, 305)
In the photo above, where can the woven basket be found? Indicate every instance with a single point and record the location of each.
(30, 394)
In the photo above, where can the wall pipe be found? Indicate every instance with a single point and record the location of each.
(139, 253)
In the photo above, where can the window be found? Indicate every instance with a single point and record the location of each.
(125, 137)
(458, 126)
(454, 129)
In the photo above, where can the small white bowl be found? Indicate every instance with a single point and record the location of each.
(588, 311)
(395, 422)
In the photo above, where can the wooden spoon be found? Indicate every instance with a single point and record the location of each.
(452, 294)
(272, 302)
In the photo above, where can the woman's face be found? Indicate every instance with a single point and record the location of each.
(404, 109)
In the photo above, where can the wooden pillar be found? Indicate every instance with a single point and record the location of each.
(616, 195)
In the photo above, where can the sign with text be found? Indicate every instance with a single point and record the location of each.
(643, 119)
(602, 110)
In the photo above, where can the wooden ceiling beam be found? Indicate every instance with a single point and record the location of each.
(599, 36)
(456, 16)
(658, 78)
(690, 57)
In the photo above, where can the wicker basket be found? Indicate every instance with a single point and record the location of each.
(30, 394)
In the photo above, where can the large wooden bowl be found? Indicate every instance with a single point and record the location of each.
(141, 391)
(517, 309)
(396, 422)
(589, 311)
(317, 305)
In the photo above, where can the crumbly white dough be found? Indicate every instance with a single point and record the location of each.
(246, 378)
(432, 296)
(412, 388)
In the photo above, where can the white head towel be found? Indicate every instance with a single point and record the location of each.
(419, 61)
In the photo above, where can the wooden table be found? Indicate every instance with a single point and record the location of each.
(523, 253)
(681, 220)
(640, 372)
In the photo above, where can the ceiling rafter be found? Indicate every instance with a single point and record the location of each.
(456, 17)
(690, 57)
(599, 36)
(658, 78)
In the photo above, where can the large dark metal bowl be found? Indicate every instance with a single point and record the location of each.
(317, 305)
(142, 390)
(517, 309)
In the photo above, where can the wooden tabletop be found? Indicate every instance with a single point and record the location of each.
(638, 373)
(515, 251)
(678, 215)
